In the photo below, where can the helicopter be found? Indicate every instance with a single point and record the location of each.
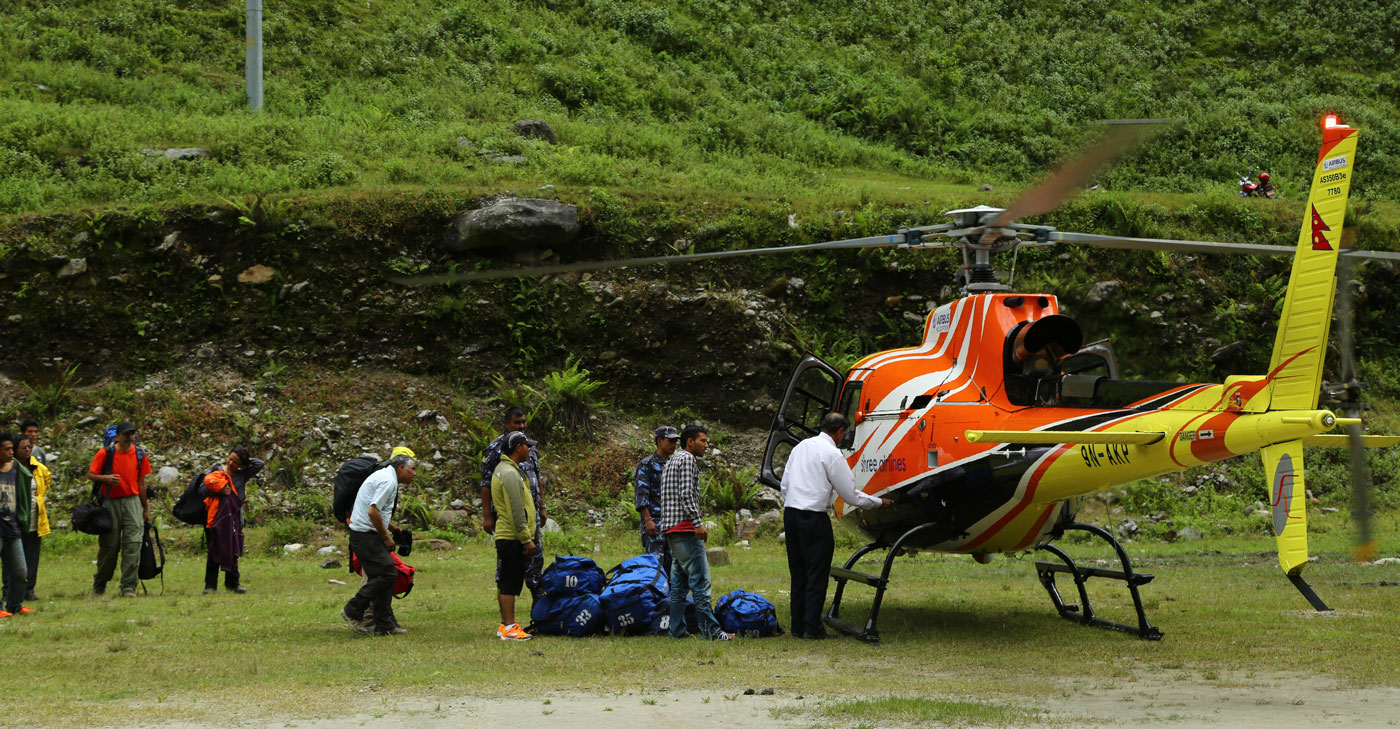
(990, 433)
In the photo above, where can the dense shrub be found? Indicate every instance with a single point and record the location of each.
(741, 95)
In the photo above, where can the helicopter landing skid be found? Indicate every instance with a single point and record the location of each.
(1083, 613)
(845, 574)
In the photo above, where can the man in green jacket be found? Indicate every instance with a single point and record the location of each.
(16, 485)
(515, 530)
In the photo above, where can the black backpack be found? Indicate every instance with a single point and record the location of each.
(348, 479)
(149, 568)
(190, 507)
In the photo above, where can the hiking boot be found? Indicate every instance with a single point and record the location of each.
(396, 630)
(128, 593)
(238, 590)
(24, 610)
(355, 625)
(512, 632)
(208, 590)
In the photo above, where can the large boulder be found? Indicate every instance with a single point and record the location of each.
(514, 223)
(535, 129)
(768, 497)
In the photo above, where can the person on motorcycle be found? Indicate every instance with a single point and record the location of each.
(1266, 188)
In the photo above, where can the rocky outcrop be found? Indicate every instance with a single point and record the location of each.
(514, 223)
(535, 129)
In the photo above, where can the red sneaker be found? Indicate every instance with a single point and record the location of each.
(26, 610)
(7, 613)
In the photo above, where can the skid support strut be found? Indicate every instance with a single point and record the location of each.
(1083, 613)
(845, 574)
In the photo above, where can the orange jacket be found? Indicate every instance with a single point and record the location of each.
(215, 483)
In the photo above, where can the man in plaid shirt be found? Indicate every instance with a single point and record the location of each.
(686, 534)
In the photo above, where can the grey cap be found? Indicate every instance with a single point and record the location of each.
(518, 437)
(667, 432)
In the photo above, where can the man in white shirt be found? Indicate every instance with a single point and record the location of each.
(815, 472)
(371, 541)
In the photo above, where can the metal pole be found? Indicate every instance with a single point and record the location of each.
(252, 67)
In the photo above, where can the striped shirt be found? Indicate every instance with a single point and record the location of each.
(680, 491)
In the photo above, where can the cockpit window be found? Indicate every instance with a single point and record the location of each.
(850, 403)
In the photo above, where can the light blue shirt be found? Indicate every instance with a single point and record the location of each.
(380, 489)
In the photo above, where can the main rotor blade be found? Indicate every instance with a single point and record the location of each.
(878, 241)
(1365, 549)
(1047, 195)
(1343, 311)
(1199, 246)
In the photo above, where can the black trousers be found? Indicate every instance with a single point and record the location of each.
(378, 591)
(211, 568)
(810, 546)
(31, 557)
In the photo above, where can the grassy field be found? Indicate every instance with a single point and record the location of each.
(951, 627)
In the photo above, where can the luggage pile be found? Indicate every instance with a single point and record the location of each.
(633, 598)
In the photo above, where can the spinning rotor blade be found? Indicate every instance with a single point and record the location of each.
(1365, 550)
(878, 241)
(1047, 195)
(1198, 246)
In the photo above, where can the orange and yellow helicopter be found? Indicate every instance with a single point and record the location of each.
(991, 432)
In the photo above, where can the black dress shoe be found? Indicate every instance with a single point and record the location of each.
(816, 635)
(31, 597)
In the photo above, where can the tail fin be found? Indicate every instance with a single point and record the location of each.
(1301, 345)
(1288, 496)
(1288, 492)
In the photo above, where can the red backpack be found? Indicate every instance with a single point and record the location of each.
(402, 585)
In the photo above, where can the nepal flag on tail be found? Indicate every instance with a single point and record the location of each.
(1319, 241)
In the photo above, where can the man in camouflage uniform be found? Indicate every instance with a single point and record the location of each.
(647, 488)
(515, 422)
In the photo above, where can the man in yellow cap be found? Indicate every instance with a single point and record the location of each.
(371, 541)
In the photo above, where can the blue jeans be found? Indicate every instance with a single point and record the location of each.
(16, 574)
(690, 570)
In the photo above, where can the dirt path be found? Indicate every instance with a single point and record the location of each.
(1169, 699)
(626, 710)
(1173, 699)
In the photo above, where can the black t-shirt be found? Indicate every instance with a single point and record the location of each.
(9, 524)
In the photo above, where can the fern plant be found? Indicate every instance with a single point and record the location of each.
(55, 397)
(568, 402)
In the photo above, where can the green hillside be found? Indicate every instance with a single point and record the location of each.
(770, 98)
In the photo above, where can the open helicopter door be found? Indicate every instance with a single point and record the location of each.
(811, 394)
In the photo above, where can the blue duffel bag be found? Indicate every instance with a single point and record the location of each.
(661, 622)
(636, 593)
(572, 575)
(747, 614)
(576, 614)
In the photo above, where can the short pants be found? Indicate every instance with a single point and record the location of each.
(510, 566)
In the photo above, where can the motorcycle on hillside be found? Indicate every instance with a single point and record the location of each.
(1263, 188)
